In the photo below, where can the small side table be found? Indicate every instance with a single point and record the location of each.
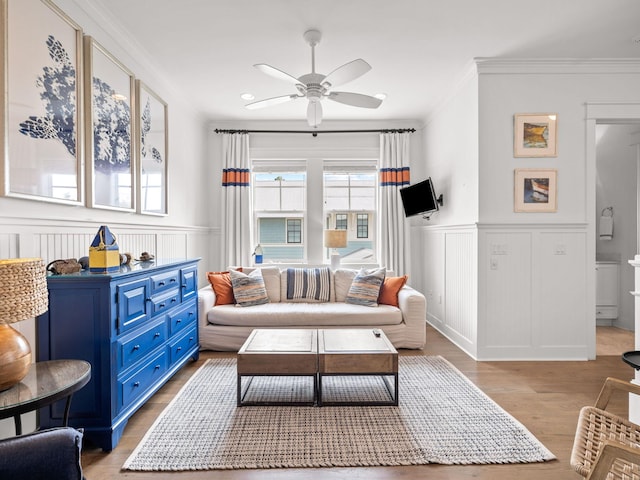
(46, 383)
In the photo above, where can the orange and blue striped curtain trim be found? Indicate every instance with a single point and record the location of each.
(235, 177)
(390, 177)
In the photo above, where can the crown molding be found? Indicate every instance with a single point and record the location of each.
(556, 65)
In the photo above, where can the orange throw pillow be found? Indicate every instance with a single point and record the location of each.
(390, 288)
(221, 284)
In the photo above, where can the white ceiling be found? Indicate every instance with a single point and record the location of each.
(418, 48)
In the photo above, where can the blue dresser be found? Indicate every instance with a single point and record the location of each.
(136, 327)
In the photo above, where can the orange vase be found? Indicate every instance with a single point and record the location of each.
(15, 356)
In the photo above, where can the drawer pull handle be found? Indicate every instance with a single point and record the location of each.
(191, 339)
(191, 314)
(161, 284)
(136, 347)
(156, 335)
(137, 384)
(178, 349)
(173, 280)
(184, 285)
(157, 367)
(174, 300)
(162, 305)
(148, 299)
(179, 320)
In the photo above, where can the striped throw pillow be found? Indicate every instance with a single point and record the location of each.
(311, 283)
(365, 288)
(249, 289)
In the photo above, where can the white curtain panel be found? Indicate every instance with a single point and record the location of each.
(394, 174)
(236, 206)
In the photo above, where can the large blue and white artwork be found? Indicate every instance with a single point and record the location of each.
(111, 129)
(153, 152)
(111, 89)
(42, 149)
(58, 94)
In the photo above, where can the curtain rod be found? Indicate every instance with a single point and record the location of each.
(316, 132)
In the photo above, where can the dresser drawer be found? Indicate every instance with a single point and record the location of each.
(182, 317)
(183, 345)
(132, 303)
(133, 347)
(164, 281)
(162, 303)
(142, 379)
(189, 284)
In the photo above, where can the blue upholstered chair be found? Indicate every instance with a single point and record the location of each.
(42, 455)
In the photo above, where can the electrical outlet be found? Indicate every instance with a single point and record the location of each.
(561, 249)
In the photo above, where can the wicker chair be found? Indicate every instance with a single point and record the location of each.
(607, 446)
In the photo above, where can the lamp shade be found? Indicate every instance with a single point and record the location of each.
(335, 238)
(23, 289)
(23, 294)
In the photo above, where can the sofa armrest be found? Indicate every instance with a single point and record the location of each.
(206, 300)
(413, 306)
(42, 455)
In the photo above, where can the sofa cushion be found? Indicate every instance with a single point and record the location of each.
(304, 314)
(248, 290)
(271, 277)
(365, 288)
(343, 278)
(284, 286)
(221, 284)
(390, 288)
(309, 283)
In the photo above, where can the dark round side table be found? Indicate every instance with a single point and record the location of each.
(46, 383)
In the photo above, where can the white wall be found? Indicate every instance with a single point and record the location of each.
(48, 230)
(535, 280)
(616, 165)
(444, 248)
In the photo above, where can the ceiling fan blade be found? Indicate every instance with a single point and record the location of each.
(274, 72)
(347, 72)
(355, 99)
(268, 102)
(314, 113)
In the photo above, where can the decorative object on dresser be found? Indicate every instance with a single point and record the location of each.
(334, 239)
(136, 327)
(104, 254)
(23, 295)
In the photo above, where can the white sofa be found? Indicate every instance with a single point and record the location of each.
(226, 327)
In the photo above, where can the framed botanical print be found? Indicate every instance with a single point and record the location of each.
(109, 87)
(41, 120)
(151, 127)
(535, 135)
(536, 190)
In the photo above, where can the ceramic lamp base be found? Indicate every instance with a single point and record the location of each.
(15, 356)
(335, 261)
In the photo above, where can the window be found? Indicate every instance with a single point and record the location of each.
(279, 208)
(352, 189)
(294, 231)
(362, 225)
(295, 199)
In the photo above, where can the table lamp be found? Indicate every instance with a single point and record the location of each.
(23, 295)
(335, 239)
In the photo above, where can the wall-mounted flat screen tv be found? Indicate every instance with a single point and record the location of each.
(419, 198)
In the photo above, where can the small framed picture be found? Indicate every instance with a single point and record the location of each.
(536, 190)
(535, 135)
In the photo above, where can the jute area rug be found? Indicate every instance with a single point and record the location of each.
(442, 418)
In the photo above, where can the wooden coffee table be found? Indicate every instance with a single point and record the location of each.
(356, 352)
(278, 352)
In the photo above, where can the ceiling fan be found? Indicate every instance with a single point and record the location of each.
(315, 86)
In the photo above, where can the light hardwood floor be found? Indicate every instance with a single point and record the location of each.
(544, 396)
